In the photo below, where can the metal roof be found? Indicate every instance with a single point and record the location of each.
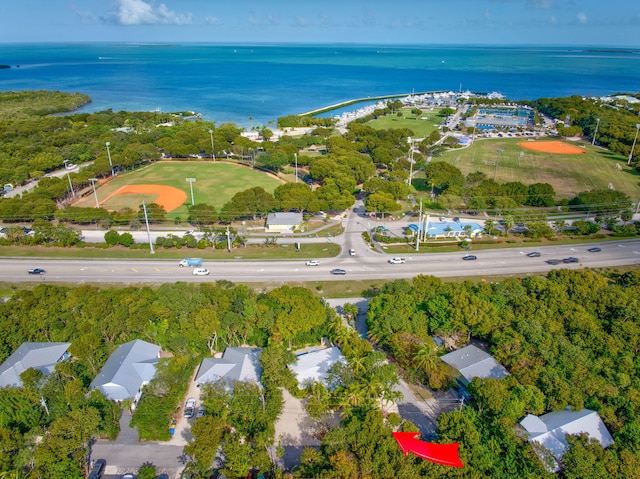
(284, 218)
(473, 362)
(236, 364)
(550, 430)
(314, 366)
(127, 369)
(41, 356)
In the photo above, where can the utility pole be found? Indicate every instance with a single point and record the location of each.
(228, 240)
(146, 220)
(295, 156)
(419, 228)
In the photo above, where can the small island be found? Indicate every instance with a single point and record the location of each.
(4, 66)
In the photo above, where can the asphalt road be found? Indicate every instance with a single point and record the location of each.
(489, 262)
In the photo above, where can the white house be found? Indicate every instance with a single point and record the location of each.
(40, 356)
(314, 366)
(127, 370)
(547, 433)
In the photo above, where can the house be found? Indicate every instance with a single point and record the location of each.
(314, 366)
(40, 356)
(127, 370)
(472, 362)
(284, 222)
(236, 364)
(455, 229)
(547, 433)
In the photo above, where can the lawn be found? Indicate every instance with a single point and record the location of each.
(421, 127)
(215, 183)
(504, 160)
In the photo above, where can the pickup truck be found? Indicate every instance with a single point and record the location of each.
(193, 262)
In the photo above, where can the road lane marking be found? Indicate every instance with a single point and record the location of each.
(134, 270)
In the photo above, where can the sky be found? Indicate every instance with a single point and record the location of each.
(462, 22)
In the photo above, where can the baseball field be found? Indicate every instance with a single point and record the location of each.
(569, 166)
(166, 183)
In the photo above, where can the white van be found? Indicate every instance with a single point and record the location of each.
(200, 271)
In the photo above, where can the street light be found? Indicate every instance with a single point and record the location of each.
(95, 195)
(635, 138)
(191, 181)
(593, 141)
(213, 154)
(109, 155)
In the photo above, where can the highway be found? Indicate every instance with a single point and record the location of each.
(361, 267)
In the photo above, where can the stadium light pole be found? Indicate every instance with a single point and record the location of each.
(593, 141)
(191, 181)
(213, 154)
(295, 155)
(635, 138)
(95, 195)
(71, 185)
(109, 155)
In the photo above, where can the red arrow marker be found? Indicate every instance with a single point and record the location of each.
(445, 454)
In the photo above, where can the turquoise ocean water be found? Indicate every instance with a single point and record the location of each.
(262, 82)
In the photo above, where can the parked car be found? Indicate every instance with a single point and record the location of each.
(200, 271)
(352, 252)
(190, 407)
(128, 475)
(534, 254)
(36, 271)
(338, 271)
(97, 469)
(570, 259)
(397, 261)
(594, 250)
(201, 412)
(70, 166)
(313, 262)
(553, 261)
(469, 257)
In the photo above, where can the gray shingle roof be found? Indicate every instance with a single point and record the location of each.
(550, 430)
(236, 364)
(41, 356)
(473, 362)
(127, 369)
(290, 219)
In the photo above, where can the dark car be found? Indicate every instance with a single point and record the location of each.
(553, 261)
(97, 469)
(469, 257)
(338, 271)
(36, 271)
(534, 254)
(570, 259)
(594, 250)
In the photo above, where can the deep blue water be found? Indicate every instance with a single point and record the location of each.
(235, 82)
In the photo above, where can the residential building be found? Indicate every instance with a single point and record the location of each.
(284, 222)
(40, 356)
(128, 369)
(236, 364)
(314, 366)
(472, 362)
(548, 433)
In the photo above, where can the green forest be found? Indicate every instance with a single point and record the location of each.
(569, 339)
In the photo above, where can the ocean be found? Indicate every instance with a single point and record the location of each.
(254, 84)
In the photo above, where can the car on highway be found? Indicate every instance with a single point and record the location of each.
(570, 259)
(200, 271)
(97, 469)
(190, 407)
(313, 262)
(534, 254)
(338, 271)
(397, 261)
(553, 261)
(469, 257)
(594, 250)
(36, 271)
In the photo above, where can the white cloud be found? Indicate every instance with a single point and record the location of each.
(211, 20)
(553, 20)
(582, 18)
(139, 12)
(542, 4)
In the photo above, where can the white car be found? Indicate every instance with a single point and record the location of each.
(313, 262)
(190, 407)
(69, 166)
(200, 271)
(397, 261)
(352, 252)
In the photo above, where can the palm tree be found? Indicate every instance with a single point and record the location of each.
(489, 225)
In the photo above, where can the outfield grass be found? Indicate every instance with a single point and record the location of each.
(421, 128)
(215, 184)
(568, 174)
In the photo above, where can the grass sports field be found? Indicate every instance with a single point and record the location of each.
(422, 127)
(215, 184)
(569, 174)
